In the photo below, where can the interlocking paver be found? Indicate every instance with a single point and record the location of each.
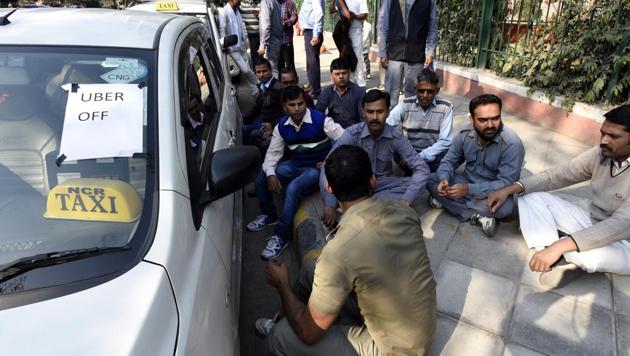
(556, 325)
(621, 294)
(457, 339)
(623, 334)
(518, 350)
(474, 296)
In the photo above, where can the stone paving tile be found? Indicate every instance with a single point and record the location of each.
(439, 229)
(552, 324)
(623, 334)
(518, 350)
(474, 296)
(503, 255)
(457, 339)
(621, 294)
(588, 288)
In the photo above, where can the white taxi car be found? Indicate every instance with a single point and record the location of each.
(205, 11)
(120, 186)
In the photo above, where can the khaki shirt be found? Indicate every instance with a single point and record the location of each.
(379, 253)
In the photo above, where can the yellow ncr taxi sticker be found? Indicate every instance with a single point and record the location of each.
(94, 200)
(166, 6)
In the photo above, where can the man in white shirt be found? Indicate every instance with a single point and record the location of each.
(311, 19)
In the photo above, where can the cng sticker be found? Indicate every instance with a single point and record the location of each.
(166, 6)
(93, 199)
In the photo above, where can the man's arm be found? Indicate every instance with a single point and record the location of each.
(397, 114)
(323, 101)
(431, 44)
(274, 153)
(292, 9)
(418, 166)
(510, 164)
(318, 15)
(332, 129)
(383, 29)
(265, 24)
(453, 159)
(444, 138)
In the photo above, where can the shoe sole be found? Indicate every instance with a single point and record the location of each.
(560, 276)
(264, 258)
(262, 228)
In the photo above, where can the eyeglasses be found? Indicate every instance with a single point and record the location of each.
(425, 91)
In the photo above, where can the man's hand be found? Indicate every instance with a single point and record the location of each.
(442, 187)
(330, 216)
(497, 198)
(266, 126)
(315, 41)
(277, 274)
(267, 135)
(457, 191)
(544, 259)
(274, 184)
(384, 62)
(427, 61)
(261, 51)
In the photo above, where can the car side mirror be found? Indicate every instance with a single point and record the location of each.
(229, 41)
(232, 169)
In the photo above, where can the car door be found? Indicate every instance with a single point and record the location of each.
(205, 303)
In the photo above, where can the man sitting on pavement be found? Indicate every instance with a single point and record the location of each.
(308, 134)
(427, 120)
(376, 269)
(343, 100)
(493, 154)
(572, 238)
(267, 107)
(288, 76)
(382, 142)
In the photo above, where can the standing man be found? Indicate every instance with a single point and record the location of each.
(367, 45)
(375, 272)
(289, 19)
(493, 154)
(572, 239)
(382, 142)
(408, 38)
(311, 19)
(426, 119)
(249, 12)
(231, 23)
(308, 135)
(343, 101)
(271, 33)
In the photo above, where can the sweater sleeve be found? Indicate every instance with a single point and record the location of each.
(605, 232)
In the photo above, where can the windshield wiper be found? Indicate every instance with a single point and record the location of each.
(26, 264)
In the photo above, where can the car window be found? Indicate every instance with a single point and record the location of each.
(63, 186)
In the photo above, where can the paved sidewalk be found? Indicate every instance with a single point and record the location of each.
(489, 303)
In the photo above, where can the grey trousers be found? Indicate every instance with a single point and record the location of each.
(392, 188)
(464, 207)
(273, 55)
(397, 71)
(348, 336)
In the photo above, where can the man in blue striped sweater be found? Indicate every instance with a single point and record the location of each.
(308, 135)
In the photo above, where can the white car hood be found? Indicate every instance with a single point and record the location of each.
(133, 314)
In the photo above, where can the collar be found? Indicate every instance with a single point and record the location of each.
(267, 84)
(356, 208)
(387, 131)
(433, 104)
(622, 164)
(306, 119)
(348, 89)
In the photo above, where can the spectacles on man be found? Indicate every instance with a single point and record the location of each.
(425, 91)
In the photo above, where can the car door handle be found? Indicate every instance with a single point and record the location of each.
(233, 91)
(231, 138)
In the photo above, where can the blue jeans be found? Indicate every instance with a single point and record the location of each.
(248, 128)
(298, 182)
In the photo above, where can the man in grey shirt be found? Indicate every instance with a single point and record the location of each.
(493, 154)
(271, 33)
(382, 142)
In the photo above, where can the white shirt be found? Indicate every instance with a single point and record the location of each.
(619, 167)
(277, 144)
(357, 7)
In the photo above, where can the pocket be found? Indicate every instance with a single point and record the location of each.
(384, 162)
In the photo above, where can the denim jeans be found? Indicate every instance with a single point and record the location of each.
(313, 71)
(297, 182)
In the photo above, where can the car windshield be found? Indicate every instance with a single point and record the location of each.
(74, 147)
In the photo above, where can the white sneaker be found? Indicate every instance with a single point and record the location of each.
(488, 224)
(260, 222)
(274, 248)
(263, 326)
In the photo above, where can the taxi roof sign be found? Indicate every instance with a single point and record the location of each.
(166, 6)
(94, 199)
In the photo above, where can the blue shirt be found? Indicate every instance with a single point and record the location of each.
(489, 167)
(429, 49)
(346, 109)
(381, 151)
(311, 16)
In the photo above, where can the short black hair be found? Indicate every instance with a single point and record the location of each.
(348, 171)
(288, 70)
(376, 95)
(338, 64)
(620, 116)
(263, 61)
(427, 75)
(483, 99)
(292, 92)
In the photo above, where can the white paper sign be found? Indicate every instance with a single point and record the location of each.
(102, 120)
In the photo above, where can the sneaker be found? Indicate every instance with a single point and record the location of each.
(488, 224)
(560, 275)
(274, 248)
(434, 203)
(263, 326)
(260, 222)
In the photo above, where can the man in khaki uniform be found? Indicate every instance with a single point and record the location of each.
(377, 260)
